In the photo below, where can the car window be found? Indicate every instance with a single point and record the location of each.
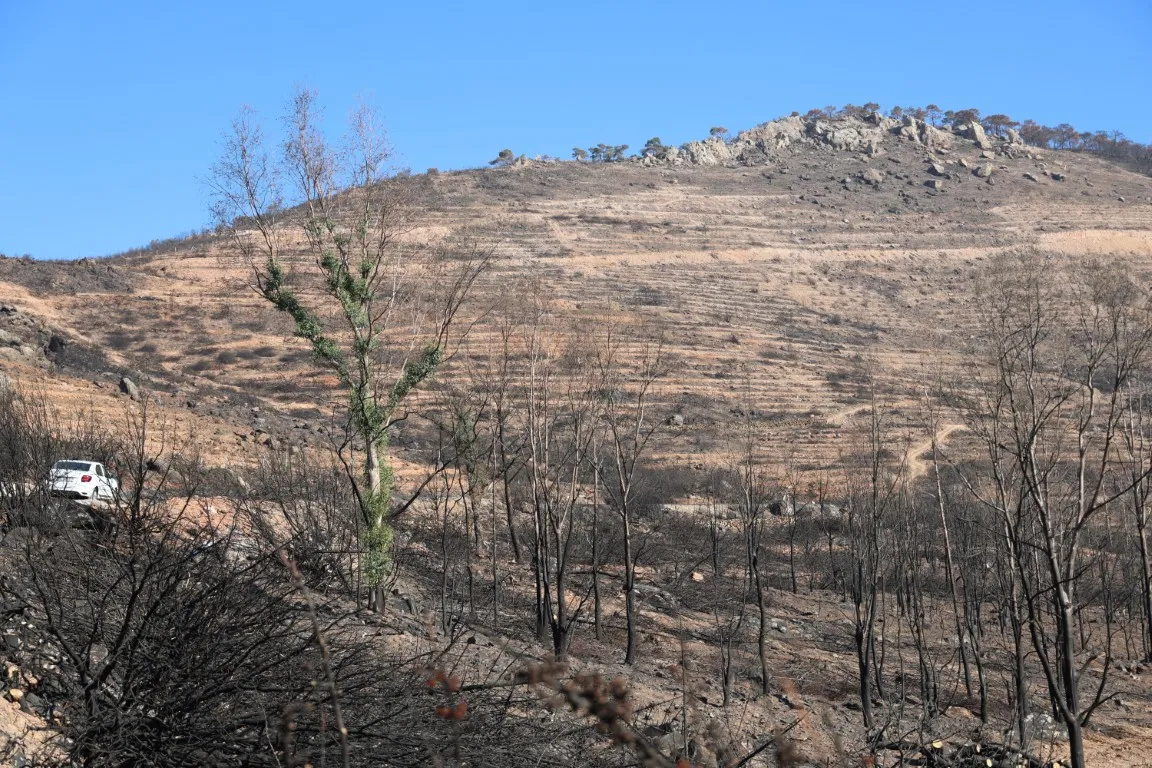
(99, 470)
(73, 466)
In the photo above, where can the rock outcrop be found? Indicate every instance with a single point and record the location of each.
(848, 134)
(923, 133)
(712, 151)
(765, 143)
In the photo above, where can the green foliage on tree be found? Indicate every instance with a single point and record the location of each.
(579, 154)
(505, 157)
(654, 148)
(358, 302)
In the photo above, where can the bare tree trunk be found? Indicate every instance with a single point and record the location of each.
(1146, 581)
(505, 472)
(597, 608)
(492, 543)
(949, 565)
(762, 638)
(629, 593)
(372, 466)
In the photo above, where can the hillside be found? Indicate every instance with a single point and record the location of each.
(771, 282)
(783, 271)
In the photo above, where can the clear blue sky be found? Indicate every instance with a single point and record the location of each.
(110, 113)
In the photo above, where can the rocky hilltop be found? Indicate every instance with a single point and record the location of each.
(762, 145)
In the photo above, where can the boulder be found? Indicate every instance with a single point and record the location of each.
(975, 132)
(871, 176)
(407, 603)
(964, 163)
(984, 171)
(128, 387)
(921, 132)
(1014, 137)
(1057, 176)
(937, 169)
(807, 510)
(935, 184)
(56, 344)
(659, 598)
(910, 129)
(931, 136)
(783, 507)
(1030, 176)
(676, 420)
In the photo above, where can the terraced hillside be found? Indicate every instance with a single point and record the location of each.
(773, 284)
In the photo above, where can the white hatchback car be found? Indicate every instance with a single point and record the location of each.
(82, 480)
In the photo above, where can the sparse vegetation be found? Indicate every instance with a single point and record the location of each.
(825, 473)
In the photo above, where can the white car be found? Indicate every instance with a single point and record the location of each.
(82, 480)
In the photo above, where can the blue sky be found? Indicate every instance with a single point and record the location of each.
(111, 113)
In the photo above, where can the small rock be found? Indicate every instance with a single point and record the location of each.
(697, 576)
(935, 185)
(1057, 176)
(1031, 176)
(676, 420)
(871, 176)
(15, 694)
(964, 163)
(984, 171)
